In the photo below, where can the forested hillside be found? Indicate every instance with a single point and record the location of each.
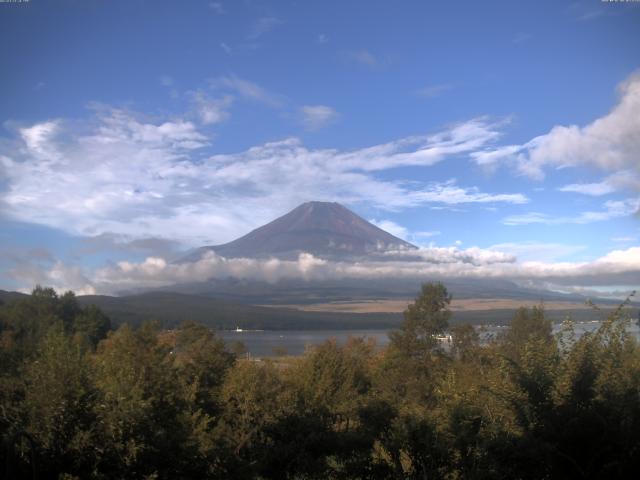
(81, 400)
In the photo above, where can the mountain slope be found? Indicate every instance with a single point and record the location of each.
(8, 297)
(323, 229)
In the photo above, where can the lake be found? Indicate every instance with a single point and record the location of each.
(265, 343)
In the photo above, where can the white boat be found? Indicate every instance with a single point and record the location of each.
(444, 338)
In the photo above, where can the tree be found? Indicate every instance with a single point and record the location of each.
(255, 399)
(91, 323)
(202, 362)
(59, 406)
(408, 379)
(527, 326)
(139, 406)
(28, 320)
(331, 379)
(427, 317)
(465, 341)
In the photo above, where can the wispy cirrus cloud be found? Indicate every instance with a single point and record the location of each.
(449, 193)
(246, 89)
(592, 189)
(210, 110)
(460, 138)
(491, 157)
(262, 26)
(122, 174)
(432, 91)
(623, 180)
(612, 209)
(315, 117)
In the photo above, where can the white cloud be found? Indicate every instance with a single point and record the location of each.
(415, 238)
(246, 89)
(392, 227)
(52, 273)
(119, 125)
(322, 38)
(210, 110)
(623, 180)
(460, 138)
(38, 138)
(120, 174)
(451, 194)
(317, 116)
(593, 189)
(537, 251)
(613, 209)
(619, 267)
(453, 255)
(495, 155)
(227, 49)
(610, 143)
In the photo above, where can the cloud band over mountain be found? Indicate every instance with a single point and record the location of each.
(619, 267)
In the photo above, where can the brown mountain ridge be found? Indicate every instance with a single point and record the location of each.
(324, 229)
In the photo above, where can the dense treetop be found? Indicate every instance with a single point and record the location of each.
(80, 400)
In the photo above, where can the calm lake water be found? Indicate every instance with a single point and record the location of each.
(265, 343)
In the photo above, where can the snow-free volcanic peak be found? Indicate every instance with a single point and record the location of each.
(324, 229)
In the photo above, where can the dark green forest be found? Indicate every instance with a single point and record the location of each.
(82, 400)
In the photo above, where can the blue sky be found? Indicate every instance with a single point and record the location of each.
(137, 129)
